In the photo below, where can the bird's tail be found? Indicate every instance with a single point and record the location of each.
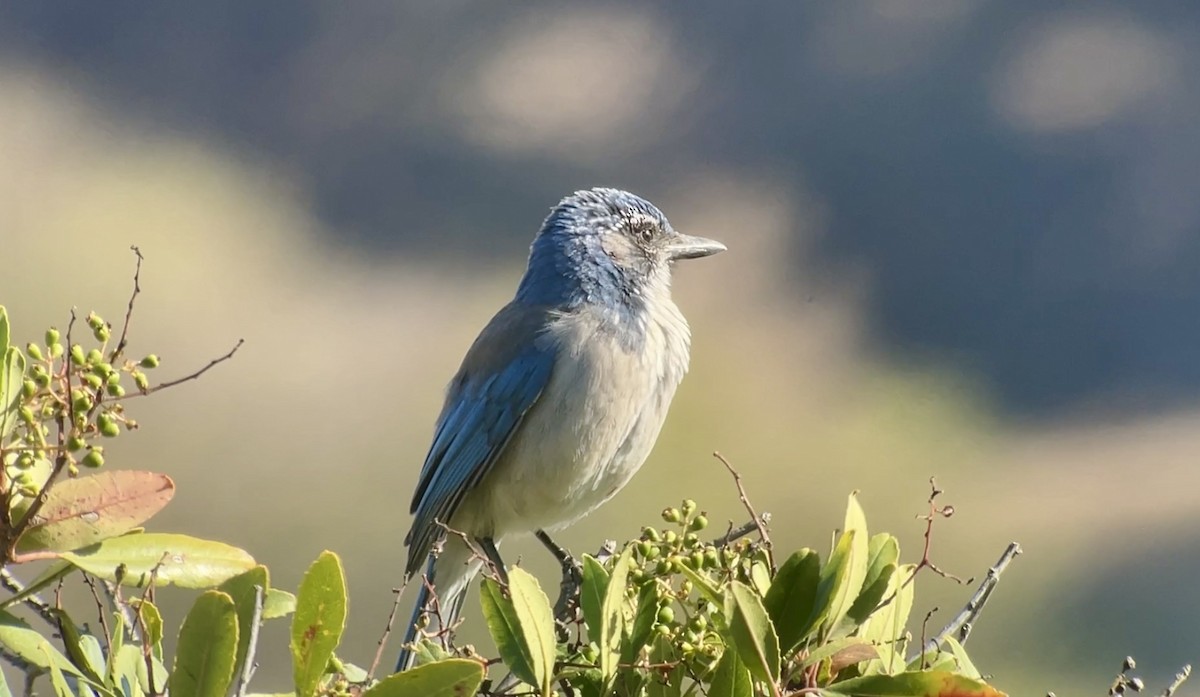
(449, 573)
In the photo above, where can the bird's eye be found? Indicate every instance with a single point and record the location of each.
(645, 233)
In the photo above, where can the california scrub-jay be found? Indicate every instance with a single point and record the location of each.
(561, 397)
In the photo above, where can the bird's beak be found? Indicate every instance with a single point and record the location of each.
(690, 247)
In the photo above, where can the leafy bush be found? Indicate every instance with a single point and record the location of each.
(667, 614)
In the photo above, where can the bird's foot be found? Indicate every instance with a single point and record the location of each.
(566, 608)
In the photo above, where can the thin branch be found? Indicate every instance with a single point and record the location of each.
(1180, 678)
(924, 629)
(250, 665)
(758, 523)
(960, 626)
(34, 601)
(211, 364)
(933, 514)
(101, 611)
(387, 631)
(137, 288)
(735, 534)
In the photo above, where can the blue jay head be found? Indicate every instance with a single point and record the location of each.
(606, 246)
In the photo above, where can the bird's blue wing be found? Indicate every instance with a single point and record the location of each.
(501, 378)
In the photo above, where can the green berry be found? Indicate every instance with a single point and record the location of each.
(109, 428)
(94, 320)
(52, 336)
(666, 614)
(94, 356)
(150, 361)
(689, 507)
(26, 414)
(102, 333)
(24, 461)
(643, 548)
(139, 379)
(77, 356)
(698, 523)
(104, 370)
(93, 459)
(34, 351)
(650, 533)
(75, 444)
(671, 515)
(81, 400)
(115, 389)
(670, 537)
(93, 381)
(28, 388)
(56, 350)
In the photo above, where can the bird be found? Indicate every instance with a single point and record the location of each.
(559, 400)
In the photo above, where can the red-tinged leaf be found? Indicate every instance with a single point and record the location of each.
(916, 684)
(84, 511)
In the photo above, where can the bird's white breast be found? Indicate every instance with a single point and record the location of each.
(593, 425)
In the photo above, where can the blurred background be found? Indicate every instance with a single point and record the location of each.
(963, 242)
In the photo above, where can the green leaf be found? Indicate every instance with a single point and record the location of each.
(57, 681)
(591, 595)
(883, 550)
(278, 603)
(869, 598)
(505, 628)
(4, 330)
(855, 527)
(537, 624)
(851, 650)
(178, 560)
(916, 684)
(832, 586)
(643, 623)
(965, 665)
(612, 612)
(73, 643)
(453, 677)
(12, 372)
(522, 625)
(319, 621)
(752, 635)
(731, 678)
(241, 589)
(151, 619)
(886, 626)
(704, 585)
(27, 643)
(791, 598)
(207, 648)
(83, 511)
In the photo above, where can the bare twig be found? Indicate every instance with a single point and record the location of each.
(933, 514)
(960, 626)
(250, 665)
(1180, 678)
(735, 534)
(758, 523)
(387, 631)
(137, 288)
(101, 611)
(925, 628)
(211, 364)
(34, 601)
